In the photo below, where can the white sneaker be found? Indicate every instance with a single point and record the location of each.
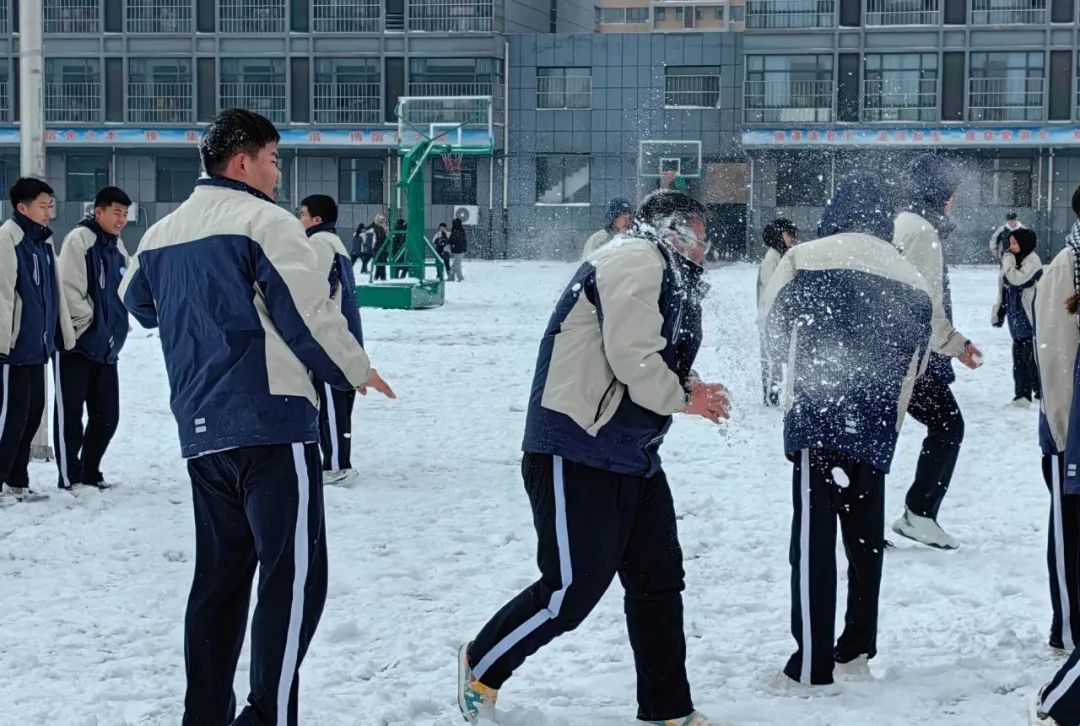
(1020, 403)
(340, 477)
(783, 685)
(25, 494)
(854, 670)
(924, 530)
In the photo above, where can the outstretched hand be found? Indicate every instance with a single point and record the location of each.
(971, 357)
(709, 400)
(375, 381)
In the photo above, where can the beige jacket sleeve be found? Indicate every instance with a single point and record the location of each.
(74, 285)
(302, 270)
(596, 241)
(629, 287)
(920, 245)
(1057, 337)
(9, 274)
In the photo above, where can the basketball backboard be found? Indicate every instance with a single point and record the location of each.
(462, 122)
(659, 158)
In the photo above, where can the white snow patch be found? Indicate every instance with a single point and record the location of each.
(840, 477)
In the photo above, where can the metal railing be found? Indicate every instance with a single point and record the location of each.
(72, 16)
(348, 103)
(158, 16)
(347, 16)
(1008, 12)
(5, 101)
(251, 16)
(902, 12)
(73, 102)
(688, 91)
(267, 99)
(890, 99)
(788, 101)
(790, 14)
(166, 103)
(1005, 99)
(4, 26)
(455, 89)
(563, 92)
(451, 16)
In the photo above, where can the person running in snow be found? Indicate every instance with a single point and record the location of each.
(241, 302)
(91, 264)
(615, 365)
(318, 216)
(999, 238)
(1057, 334)
(616, 220)
(931, 182)
(855, 320)
(1021, 270)
(779, 235)
(34, 325)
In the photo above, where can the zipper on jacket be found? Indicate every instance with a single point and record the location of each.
(606, 398)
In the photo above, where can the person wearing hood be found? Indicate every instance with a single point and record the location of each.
(1057, 334)
(854, 320)
(1021, 270)
(34, 325)
(930, 183)
(91, 265)
(779, 235)
(999, 239)
(318, 217)
(616, 221)
(615, 365)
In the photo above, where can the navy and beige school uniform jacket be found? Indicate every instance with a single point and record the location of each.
(34, 319)
(342, 284)
(242, 304)
(616, 357)
(920, 244)
(768, 267)
(1016, 294)
(92, 263)
(1057, 340)
(854, 321)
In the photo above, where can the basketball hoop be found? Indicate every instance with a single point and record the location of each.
(667, 179)
(452, 162)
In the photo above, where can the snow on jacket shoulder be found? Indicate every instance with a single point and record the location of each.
(918, 241)
(853, 319)
(34, 318)
(335, 258)
(595, 242)
(91, 265)
(614, 359)
(767, 269)
(1057, 339)
(1016, 294)
(244, 312)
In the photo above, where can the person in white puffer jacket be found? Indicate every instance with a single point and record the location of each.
(779, 235)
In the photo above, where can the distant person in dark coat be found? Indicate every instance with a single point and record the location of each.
(442, 246)
(459, 245)
(397, 247)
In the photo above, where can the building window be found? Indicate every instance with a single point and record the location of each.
(679, 13)
(451, 16)
(347, 16)
(5, 91)
(562, 179)
(347, 90)
(360, 180)
(158, 16)
(73, 89)
(4, 21)
(455, 77)
(1005, 183)
(637, 15)
(789, 89)
(159, 90)
(251, 16)
(612, 15)
(692, 86)
(789, 13)
(900, 87)
(563, 87)
(718, 13)
(453, 188)
(661, 15)
(71, 17)
(1008, 12)
(903, 12)
(175, 177)
(85, 175)
(1007, 86)
(802, 180)
(257, 84)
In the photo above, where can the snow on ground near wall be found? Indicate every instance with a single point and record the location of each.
(439, 535)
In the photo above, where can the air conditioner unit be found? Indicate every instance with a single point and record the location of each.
(132, 212)
(469, 214)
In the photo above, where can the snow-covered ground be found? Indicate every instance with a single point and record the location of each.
(439, 534)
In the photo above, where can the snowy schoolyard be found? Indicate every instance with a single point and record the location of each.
(438, 534)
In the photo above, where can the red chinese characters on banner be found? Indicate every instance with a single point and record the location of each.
(377, 137)
(110, 136)
(314, 136)
(1025, 135)
(357, 137)
(849, 135)
(988, 135)
(1006, 135)
(70, 136)
(1076, 134)
(191, 136)
(830, 135)
(815, 136)
(935, 135)
(50, 136)
(150, 135)
(778, 136)
(969, 136)
(901, 135)
(90, 135)
(883, 136)
(1044, 135)
(918, 136)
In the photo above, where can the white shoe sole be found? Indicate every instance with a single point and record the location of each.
(900, 527)
(463, 667)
